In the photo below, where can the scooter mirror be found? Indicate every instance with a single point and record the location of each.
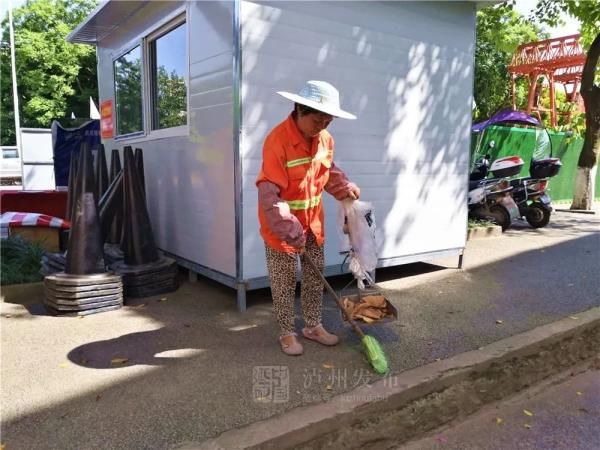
(492, 144)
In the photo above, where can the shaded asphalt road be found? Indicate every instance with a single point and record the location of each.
(563, 414)
(190, 364)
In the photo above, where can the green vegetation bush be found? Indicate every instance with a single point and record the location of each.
(20, 261)
(476, 223)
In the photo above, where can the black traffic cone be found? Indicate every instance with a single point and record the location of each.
(85, 254)
(139, 164)
(140, 247)
(116, 229)
(101, 173)
(72, 182)
(110, 204)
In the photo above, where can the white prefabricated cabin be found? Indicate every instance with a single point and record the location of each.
(194, 85)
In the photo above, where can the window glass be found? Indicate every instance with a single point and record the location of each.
(169, 79)
(10, 153)
(128, 92)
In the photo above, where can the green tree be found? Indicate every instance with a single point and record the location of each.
(128, 92)
(172, 99)
(500, 30)
(588, 14)
(54, 77)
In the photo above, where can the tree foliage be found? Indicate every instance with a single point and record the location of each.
(500, 30)
(128, 92)
(588, 14)
(54, 77)
(172, 99)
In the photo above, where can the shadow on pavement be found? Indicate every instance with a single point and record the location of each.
(191, 361)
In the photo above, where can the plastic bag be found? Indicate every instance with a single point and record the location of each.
(356, 221)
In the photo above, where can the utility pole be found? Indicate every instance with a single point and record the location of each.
(14, 85)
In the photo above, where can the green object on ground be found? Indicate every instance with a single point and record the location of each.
(375, 354)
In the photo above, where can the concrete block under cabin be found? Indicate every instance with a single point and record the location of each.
(404, 68)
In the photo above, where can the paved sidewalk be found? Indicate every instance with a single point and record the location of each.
(192, 360)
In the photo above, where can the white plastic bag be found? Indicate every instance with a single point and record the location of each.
(357, 218)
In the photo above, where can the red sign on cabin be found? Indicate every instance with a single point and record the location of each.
(107, 129)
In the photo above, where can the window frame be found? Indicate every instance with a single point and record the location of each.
(170, 25)
(131, 46)
(144, 40)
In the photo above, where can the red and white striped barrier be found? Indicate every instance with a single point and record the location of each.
(18, 219)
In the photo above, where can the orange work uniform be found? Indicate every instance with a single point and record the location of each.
(301, 174)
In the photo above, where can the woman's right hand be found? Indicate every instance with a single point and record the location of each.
(298, 241)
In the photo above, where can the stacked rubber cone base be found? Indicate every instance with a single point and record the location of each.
(53, 263)
(56, 262)
(146, 280)
(83, 294)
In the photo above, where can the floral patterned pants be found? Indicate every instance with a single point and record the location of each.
(282, 273)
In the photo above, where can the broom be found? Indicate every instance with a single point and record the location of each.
(371, 346)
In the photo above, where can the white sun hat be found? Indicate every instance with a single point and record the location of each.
(321, 96)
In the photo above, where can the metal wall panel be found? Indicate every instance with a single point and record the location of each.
(406, 70)
(38, 159)
(189, 178)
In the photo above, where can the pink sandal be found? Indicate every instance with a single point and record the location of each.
(320, 335)
(290, 344)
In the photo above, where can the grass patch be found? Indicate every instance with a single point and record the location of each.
(20, 261)
(478, 223)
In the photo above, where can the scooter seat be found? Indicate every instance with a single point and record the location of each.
(519, 181)
(474, 184)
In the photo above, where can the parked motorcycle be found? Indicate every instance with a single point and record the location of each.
(490, 198)
(529, 193)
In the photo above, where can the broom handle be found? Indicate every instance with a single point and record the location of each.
(313, 266)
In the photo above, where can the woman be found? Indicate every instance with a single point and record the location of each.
(297, 167)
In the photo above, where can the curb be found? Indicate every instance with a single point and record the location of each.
(576, 211)
(484, 232)
(403, 407)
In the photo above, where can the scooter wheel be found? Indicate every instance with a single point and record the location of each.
(500, 216)
(537, 216)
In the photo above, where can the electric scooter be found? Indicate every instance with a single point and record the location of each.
(530, 193)
(490, 198)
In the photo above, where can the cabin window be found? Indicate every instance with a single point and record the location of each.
(167, 56)
(128, 92)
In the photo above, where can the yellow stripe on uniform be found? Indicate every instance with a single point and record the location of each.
(304, 204)
(298, 162)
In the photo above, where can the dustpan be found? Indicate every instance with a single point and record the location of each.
(357, 294)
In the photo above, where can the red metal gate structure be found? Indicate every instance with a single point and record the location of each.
(560, 60)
